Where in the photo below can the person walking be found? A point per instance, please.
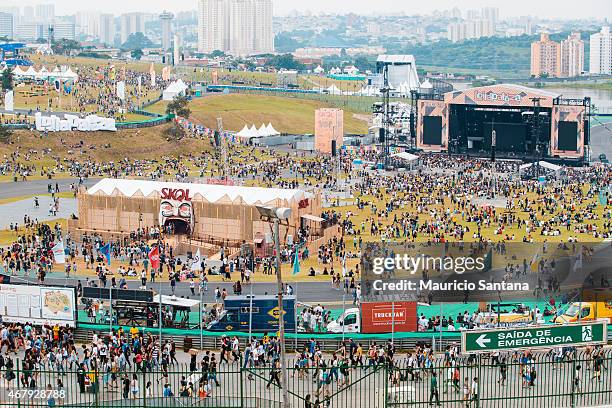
(433, 389)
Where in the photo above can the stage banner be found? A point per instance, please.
(121, 90)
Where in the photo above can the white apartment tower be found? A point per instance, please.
(572, 56)
(212, 25)
(107, 29)
(264, 34)
(131, 23)
(240, 27)
(600, 61)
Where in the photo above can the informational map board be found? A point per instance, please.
(38, 304)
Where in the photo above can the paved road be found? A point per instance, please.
(308, 292)
(14, 212)
(33, 187)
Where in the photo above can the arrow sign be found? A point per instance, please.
(482, 340)
(535, 337)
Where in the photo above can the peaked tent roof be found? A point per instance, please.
(271, 130)
(209, 192)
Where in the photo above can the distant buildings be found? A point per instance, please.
(239, 27)
(44, 13)
(471, 29)
(600, 61)
(63, 30)
(166, 23)
(131, 23)
(6, 25)
(545, 57)
(572, 56)
(565, 59)
(107, 29)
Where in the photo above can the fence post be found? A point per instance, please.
(240, 368)
(144, 388)
(96, 386)
(18, 379)
(573, 382)
(385, 392)
(480, 382)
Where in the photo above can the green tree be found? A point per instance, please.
(285, 61)
(64, 46)
(137, 41)
(7, 79)
(217, 53)
(179, 106)
(5, 134)
(136, 54)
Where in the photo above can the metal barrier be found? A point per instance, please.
(512, 381)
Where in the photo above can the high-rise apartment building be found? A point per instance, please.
(107, 29)
(572, 56)
(212, 25)
(545, 57)
(600, 60)
(490, 13)
(264, 33)
(45, 13)
(166, 23)
(64, 30)
(131, 23)
(6, 25)
(240, 27)
(28, 14)
(88, 23)
(470, 29)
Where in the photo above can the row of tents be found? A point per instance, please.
(253, 132)
(67, 74)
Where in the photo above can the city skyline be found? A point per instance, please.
(589, 9)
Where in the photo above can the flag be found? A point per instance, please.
(344, 265)
(121, 90)
(196, 263)
(112, 75)
(139, 84)
(58, 253)
(296, 262)
(152, 72)
(67, 89)
(8, 101)
(154, 258)
(57, 84)
(105, 250)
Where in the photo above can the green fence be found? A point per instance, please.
(575, 380)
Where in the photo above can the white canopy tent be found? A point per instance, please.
(334, 90)
(271, 130)
(262, 131)
(69, 75)
(42, 74)
(409, 158)
(203, 192)
(544, 165)
(176, 88)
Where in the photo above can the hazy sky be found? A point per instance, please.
(508, 8)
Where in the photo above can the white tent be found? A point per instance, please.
(31, 72)
(334, 90)
(200, 192)
(318, 70)
(244, 132)
(43, 73)
(17, 71)
(272, 131)
(406, 156)
(69, 75)
(176, 88)
(262, 131)
(253, 131)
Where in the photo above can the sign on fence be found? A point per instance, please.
(535, 337)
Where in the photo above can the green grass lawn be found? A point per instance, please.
(288, 115)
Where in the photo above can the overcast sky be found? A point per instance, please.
(566, 9)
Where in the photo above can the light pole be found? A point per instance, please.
(276, 215)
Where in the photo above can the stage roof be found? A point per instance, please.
(209, 192)
(500, 95)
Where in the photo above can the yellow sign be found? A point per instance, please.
(275, 312)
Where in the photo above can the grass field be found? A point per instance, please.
(287, 115)
(146, 143)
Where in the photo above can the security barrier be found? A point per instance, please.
(563, 378)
